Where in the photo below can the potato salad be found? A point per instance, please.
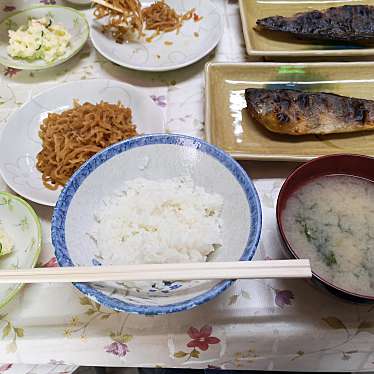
(39, 39)
(6, 243)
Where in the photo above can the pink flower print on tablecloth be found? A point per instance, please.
(214, 367)
(9, 8)
(159, 100)
(201, 338)
(283, 297)
(5, 367)
(117, 349)
(52, 263)
(11, 72)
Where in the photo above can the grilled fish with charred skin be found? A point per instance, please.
(294, 112)
(348, 23)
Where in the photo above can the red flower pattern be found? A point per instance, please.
(11, 72)
(5, 367)
(9, 8)
(52, 263)
(117, 349)
(201, 338)
(283, 297)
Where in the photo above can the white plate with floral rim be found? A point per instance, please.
(74, 21)
(19, 221)
(168, 51)
(20, 142)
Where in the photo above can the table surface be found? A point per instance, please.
(263, 325)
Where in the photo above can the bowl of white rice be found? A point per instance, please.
(156, 199)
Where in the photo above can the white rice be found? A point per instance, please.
(166, 221)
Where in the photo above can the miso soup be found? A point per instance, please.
(330, 220)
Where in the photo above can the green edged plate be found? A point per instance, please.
(20, 222)
(74, 21)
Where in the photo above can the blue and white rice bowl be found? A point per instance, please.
(155, 157)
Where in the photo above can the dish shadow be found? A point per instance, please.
(44, 75)
(153, 78)
(302, 311)
(76, 5)
(268, 170)
(44, 212)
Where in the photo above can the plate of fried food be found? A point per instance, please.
(54, 133)
(155, 36)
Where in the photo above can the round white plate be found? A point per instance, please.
(74, 21)
(169, 51)
(20, 142)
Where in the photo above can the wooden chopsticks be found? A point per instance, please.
(185, 271)
(107, 5)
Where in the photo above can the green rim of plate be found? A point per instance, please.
(18, 288)
(58, 61)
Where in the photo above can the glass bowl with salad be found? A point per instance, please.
(41, 37)
(20, 240)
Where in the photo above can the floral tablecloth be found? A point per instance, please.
(264, 325)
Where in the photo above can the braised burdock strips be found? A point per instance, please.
(70, 138)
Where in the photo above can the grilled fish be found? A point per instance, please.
(347, 23)
(294, 112)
